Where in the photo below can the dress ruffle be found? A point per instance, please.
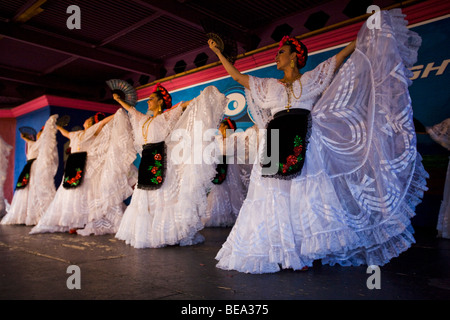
(29, 204)
(96, 206)
(225, 199)
(5, 150)
(441, 134)
(173, 213)
(362, 177)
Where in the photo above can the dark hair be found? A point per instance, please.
(305, 53)
(225, 122)
(160, 96)
(298, 47)
(96, 118)
(164, 95)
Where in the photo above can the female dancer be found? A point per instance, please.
(98, 177)
(351, 200)
(230, 183)
(35, 187)
(169, 200)
(5, 150)
(441, 134)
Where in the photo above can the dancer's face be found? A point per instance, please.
(154, 103)
(284, 57)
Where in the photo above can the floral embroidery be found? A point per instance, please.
(75, 180)
(221, 174)
(293, 161)
(24, 181)
(156, 170)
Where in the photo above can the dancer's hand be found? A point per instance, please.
(213, 46)
(243, 79)
(116, 97)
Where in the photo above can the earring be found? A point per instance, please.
(292, 64)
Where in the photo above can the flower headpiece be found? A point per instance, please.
(301, 50)
(165, 95)
(230, 124)
(99, 116)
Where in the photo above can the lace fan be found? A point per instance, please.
(226, 45)
(28, 132)
(124, 89)
(217, 39)
(63, 121)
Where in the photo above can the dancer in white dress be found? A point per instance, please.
(98, 177)
(169, 201)
(231, 181)
(35, 187)
(5, 150)
(441, 134)
(352, 201)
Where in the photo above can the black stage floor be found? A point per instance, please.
(35, 267)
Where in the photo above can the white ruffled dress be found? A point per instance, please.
(173, 213)
(225, 199)
(5, 150)
(30, 203)
(97, 205)
(362, 176)
(441, 134)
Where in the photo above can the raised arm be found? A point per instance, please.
(344, 53)
(125, 105)
(64, 132)
(229, 67)
(103, 123)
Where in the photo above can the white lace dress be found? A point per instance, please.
(173, 213)
(5, 150)
(362, 176)
(30, 203)
(96, 206)
(225, 199)
(441, 134)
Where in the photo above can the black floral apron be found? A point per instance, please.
(293, 129)
(152, 168)
(74, 170)
(24, 177)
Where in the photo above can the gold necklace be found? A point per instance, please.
(290, 87)
(145, 128)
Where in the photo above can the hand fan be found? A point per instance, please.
(63, 121)
(217, 39)
(28, 133)
(124, 89)
(226, 45)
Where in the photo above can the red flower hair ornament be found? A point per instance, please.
(300, 48)
(165, 95)
(230, 124)
(99, 116)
